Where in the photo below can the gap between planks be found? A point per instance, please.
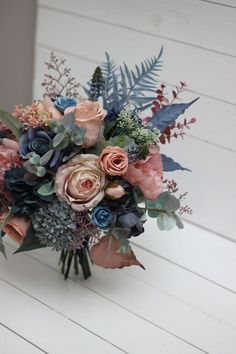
(134, 29)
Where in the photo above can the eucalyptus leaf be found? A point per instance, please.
(40, 171)
(120, 232)
(123, 141)
(35, 160)
(179, 223)
(166, 221)
(153, 213)
(47, 189)
(46, 157)
(58, 139)
(12, 122)
(165, 201)
(30, 242)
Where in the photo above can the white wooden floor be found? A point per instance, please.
(185, 301)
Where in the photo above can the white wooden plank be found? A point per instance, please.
(230, 3)
(205, 72)
(11, 343)
(193, 22)
(181, 284)
(209, 112)
(43, 326)
(108, 320)
(160, 309)
(197, 250)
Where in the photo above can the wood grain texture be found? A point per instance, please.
(171, 20)
(88, 309)
(206, 72)
(12, 343)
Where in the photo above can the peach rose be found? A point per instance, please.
(115, 191)
(89, 115)
(113, 161)
(80, 182)
(48, 106)
(147, 174)
(16, 228)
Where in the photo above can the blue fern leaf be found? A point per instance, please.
(170, 165)
(168, 114)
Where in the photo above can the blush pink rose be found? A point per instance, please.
(147, 174)
(115, 191)
(89, 115)
(80, 182)
(8, 156)
(16, 228)
(113, 160)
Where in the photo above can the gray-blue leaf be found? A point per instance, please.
(168, 114)
(170, 165)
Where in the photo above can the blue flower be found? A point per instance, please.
(101, 217)
(63, 102)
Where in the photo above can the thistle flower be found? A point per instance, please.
(60, 227)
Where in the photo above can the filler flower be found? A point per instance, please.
(89, 115)
(113, 161)
(147, 174)
(80, 182)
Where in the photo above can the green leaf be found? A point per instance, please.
(40, 171)
(47, 189)
(58, 139)
(30, 242)
(179, 223)
(165, 201)
(12, 122)
(34, 160)
(46, 157)
(153, 213)
(123, 141)
(138, 194)
(2, 248)
(166, 221)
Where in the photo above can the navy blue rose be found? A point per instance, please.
(63, 102)
(101, 217)
(38, 140)
(132, 221)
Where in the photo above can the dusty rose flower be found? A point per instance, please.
(16, 228)
(115, 191)
(8, 156)
(147, 174)
(106, 254)
(80, 182)
(113, 161)
(89, 115)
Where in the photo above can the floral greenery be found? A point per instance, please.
(91, 167)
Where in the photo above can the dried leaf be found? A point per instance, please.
(106, 253)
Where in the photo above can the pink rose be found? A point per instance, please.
(147, 174)
(89, 115)
(80, 182)
(16, 228)
(113, 161)
(8, 156)
(115, 191)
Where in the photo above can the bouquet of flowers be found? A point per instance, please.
(79, 174)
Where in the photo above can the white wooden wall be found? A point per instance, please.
(185, 301)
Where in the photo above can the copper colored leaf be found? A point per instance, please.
(106, 253)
